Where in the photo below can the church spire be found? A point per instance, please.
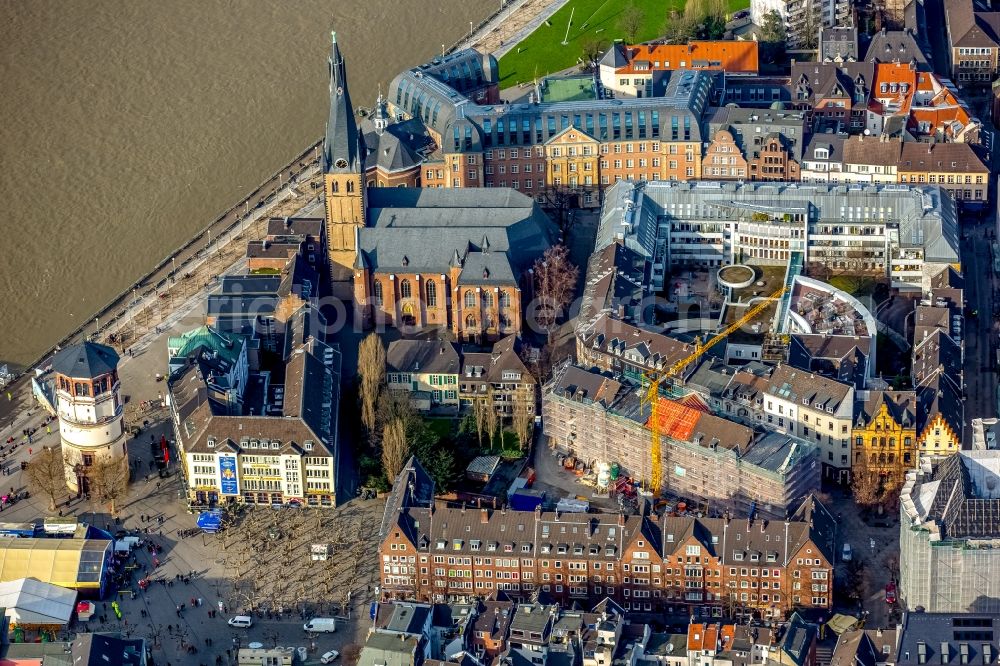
(342, 149)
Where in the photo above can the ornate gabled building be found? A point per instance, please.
(885, 435)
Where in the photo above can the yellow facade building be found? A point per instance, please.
(885, 435)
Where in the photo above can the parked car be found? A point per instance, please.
(241, 622)
(320, 625)
(846, 554)
(890, 593)
(329, 657)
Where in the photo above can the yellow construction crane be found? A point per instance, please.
(653, 390)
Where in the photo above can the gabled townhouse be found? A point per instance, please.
(771, 140)
(436, 375)
(425, 370)
(872, 160)
(973, 42)
(498, 376)
(823, 158)
(723, 158)
(865, 647)
(955, 167)
(432, 552)
(613, 345)
(837, 93)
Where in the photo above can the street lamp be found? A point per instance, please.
(470, 29)
(173, 268)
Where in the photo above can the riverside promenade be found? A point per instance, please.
(194, 267)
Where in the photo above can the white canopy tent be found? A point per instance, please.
(29, 601)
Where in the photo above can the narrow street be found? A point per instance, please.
(979, 330)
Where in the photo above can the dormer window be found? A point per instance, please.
(211, 442)
(307, 445)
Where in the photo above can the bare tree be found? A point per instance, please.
(394, 448)
(392, 406)
(479, 417)
(523, 418)
(492, 419)
(47, 474)
(371, 368)
(109, 479)
(631, 22)
(555, 282)
(865, 486)
(593, 51)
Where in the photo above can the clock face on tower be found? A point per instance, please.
(341, 163)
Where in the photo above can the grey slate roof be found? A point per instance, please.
(897, 46)
(342, 141)
(749, 125)
(85, 360)
(496, 232)
(398, 147)
(834, 144)
(924, 635)
(838, 42)
(426, 356)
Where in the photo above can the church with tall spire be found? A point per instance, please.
(409, 247)
(343, 176)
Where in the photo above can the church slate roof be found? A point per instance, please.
(424, 231)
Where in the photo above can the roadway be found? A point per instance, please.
(981, 287)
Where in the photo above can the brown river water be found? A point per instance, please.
(128, 125)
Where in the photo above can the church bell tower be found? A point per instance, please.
(343, 177)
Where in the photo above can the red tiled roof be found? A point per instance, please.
(731, 56)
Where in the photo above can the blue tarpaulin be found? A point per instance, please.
(210, 521)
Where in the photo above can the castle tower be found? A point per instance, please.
(91, 413)
(343, 169)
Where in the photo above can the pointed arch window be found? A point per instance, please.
(378, 293)
(488, 299)
(432, 297)
(470, 322)
(404, 289)
(350, 187)
(470, 299)
(505, 299)
(335, 187)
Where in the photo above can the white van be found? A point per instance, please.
(241, 621)
(321, 625)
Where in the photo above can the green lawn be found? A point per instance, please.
(441, 427)
(542, 52)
